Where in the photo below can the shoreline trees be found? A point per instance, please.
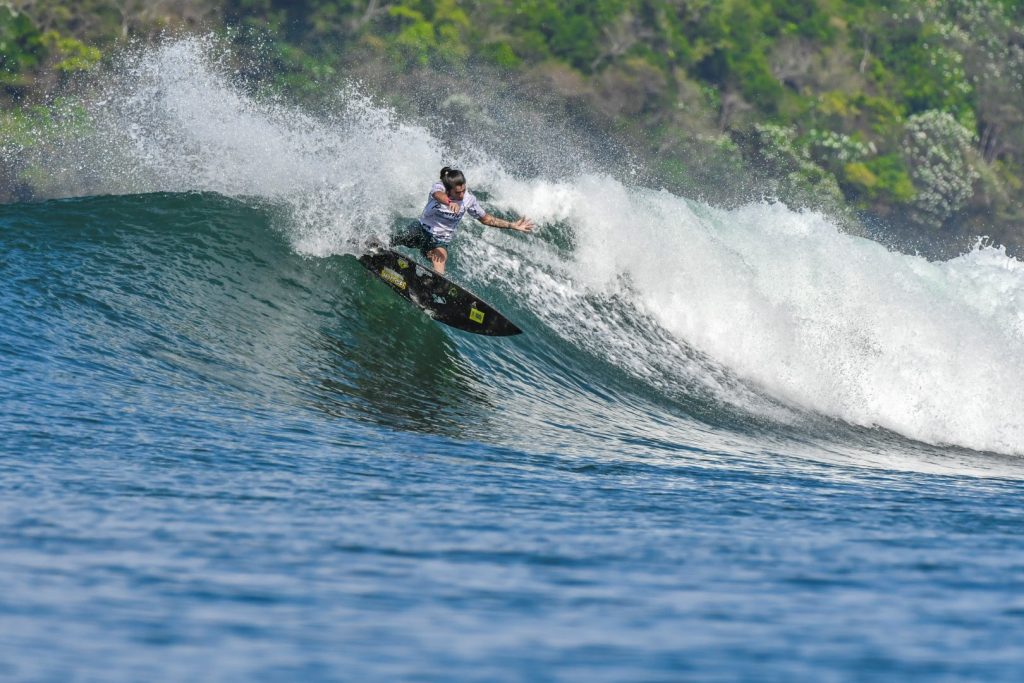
(911, 113)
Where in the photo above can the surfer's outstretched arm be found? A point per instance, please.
(524, 224)
(442, 198)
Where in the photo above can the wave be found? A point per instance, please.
(734, 318)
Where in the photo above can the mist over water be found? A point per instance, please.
(772, 312)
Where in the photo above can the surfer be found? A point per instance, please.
(447, 203)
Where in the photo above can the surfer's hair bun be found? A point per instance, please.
(452, 177)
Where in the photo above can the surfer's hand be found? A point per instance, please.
(454, 207)
(523, 225)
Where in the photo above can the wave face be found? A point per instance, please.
(761, 310)
(189, 346)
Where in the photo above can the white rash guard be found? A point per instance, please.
(442, 222)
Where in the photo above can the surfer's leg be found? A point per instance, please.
(438, 257)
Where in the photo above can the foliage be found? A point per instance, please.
(894, 185)
(938, 151)
(70, 55)
(910, 108)
(21, 49)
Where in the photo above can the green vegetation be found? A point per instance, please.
(912, 111)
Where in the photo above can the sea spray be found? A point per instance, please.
(176, 117)
(818, 319)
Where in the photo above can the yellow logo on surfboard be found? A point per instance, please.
(392, 278)
(476, 315)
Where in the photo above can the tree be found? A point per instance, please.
(938, 150)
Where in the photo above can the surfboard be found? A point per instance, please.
(439, 297)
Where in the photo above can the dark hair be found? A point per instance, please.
(452, 177)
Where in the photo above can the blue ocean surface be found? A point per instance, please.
(741, 445)
(226, 461)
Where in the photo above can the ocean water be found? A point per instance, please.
(731, 445)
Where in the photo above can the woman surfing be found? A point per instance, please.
(447, 203)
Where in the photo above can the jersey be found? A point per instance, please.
(440, 221)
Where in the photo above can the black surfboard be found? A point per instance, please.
(439, 297)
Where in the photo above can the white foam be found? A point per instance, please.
(820, 319)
